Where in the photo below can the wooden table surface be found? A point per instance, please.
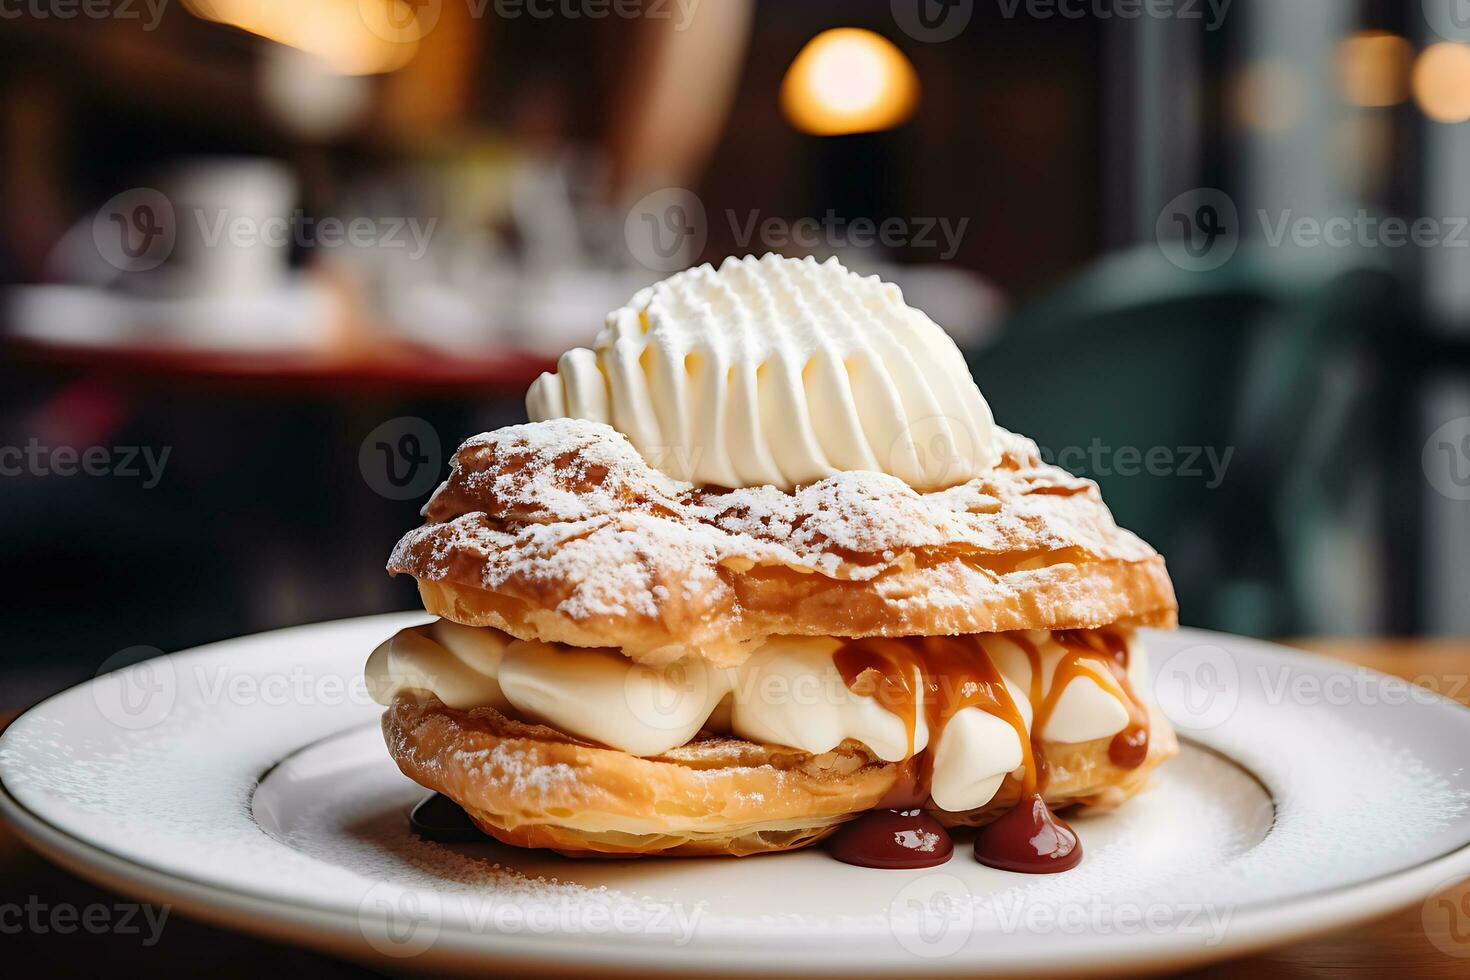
(1429, 940)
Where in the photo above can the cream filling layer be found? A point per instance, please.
(788, 693)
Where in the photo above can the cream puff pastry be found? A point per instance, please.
(761, 566)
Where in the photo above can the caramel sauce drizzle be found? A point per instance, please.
(939, 675)
(942, 675)
(1129, 747)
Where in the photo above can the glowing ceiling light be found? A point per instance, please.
(1373, 68)
(849, 81)
(1442, 82)
(355, 37)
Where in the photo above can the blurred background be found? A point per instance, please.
(267, 262)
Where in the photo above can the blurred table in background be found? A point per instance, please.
(271, 503)
(1394, 946)
(387, 369)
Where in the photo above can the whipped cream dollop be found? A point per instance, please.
(778, 371)
(788, 693)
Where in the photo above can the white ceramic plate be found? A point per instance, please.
(245, 782)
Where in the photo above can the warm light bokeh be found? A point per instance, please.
(849, 81)
(1373, 68)
(355, 37)
(1442, 82)
(1269, 96)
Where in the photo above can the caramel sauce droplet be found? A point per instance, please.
(941, 676)
(1030, 839)
(893, 839)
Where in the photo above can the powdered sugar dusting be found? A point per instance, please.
(571, 507)
(509, 768)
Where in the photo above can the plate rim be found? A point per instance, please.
(336, 932)
(1256, 927)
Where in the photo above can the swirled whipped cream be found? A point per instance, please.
(788, 693)
(778, 371)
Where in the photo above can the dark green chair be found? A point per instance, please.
(1136, 357)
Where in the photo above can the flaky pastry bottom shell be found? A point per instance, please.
(533, 786)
